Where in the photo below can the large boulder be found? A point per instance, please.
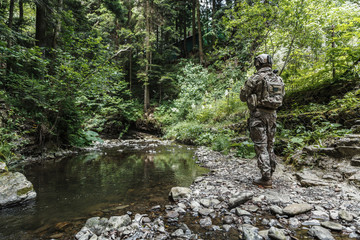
(178, 193)
(15, 189)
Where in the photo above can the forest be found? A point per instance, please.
(106, 105)
(74, 70)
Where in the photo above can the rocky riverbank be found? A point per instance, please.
(225, 204)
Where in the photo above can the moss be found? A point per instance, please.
(24, 190)
(4, 174)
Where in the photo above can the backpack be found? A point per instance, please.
(272, 93)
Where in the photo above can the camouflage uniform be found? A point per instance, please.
(262, 122)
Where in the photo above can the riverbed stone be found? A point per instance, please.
(297, 208)
(205, 222)
(355, 161)
(312, 222)
(178, 193)
(332, 225)
(294, 223)
(276, 234)
(334, 214)
(205, 202)
(321, 215)
(321, 233)
(178, 233)
(15, 189)
(345, 215)
(119, 221)
(240, 199)
(309, 179)
(355, 179)
(274, 209)
(240, 212)
(195, 206)
(250, 232)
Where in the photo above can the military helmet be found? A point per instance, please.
(263, 60)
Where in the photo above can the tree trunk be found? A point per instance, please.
(184, 33)
(201, 54)
(10, 22)
(332, 59)
(147, 49)
(193, 23)
(21, 12)
(58, 24)
(40, 34)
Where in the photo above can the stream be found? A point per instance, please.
(117, 177)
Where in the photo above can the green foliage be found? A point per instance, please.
(245, 149)
(300, 136)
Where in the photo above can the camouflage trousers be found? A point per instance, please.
(262, 125)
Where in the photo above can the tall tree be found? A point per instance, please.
(40, 31)
(201, 53)
(147, 62)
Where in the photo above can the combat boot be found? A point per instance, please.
(263, 182)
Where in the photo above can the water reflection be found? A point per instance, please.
(77, 186)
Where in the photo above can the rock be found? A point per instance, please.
(61, 226)
(312, 222)
(251, 208)
(320, 233)
(205, 202)
(264, 234)
(321, 215)
(178, 193)
(308, 179)
(346, 215)
(226, 227)
(355, 161)
(172, 214)
(294, 223)
(241, 212)
(195, 206)
(205, 211)
(348, 151)
(277, 234)
(332, 225)
(178, 233)
(205, 222)
(119, 221)
(297, 208)
(355, 179)
(334, 215)
(316, 151)
(274, 209)
(250, 232)
(3, 167)
(228, 219)
(15, 189)
(240, 199)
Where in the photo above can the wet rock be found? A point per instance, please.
(320, 233)
(354, 235)
(241, 212)
(345, 215)
(355, 161)
(264, 234)
(61, 226)
(96, 224)
(277, 234)
(15, 189)
(297, 208)
(240, 199)
(274, 209)
(205, 222)
(84, 234)
(332, 225)
(250, 232)
(178, 193)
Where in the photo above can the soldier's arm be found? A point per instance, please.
(248, 89)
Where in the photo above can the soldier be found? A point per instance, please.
(263, 92)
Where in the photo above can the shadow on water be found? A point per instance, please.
(99, 182)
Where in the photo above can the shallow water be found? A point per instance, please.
(134, 177)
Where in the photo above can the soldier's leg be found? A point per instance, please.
(259, 137)
(271, 131)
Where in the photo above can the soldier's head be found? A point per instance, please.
(263, 60)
